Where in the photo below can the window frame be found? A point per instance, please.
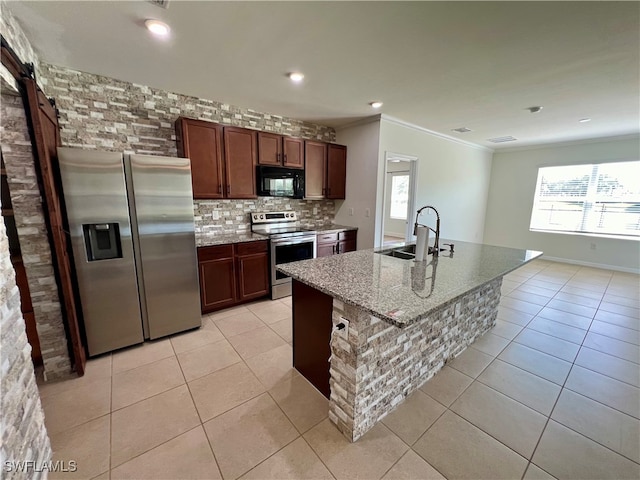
(588, 201)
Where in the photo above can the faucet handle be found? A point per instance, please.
(450, 245)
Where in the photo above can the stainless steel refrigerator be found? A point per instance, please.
(132, 232)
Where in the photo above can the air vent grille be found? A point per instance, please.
(160, 3)
(508, 138)
(462, 130)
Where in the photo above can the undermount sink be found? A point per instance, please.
(408, 252)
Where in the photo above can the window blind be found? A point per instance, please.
(595, 198)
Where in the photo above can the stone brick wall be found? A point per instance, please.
(379, 364)
(234, 214)
(17, 40)
(32, 232)
(103, 113)
(24, 437)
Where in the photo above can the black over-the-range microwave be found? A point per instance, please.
(280, 182)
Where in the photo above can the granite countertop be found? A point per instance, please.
(404, 291)
(204, 240)
(333, 228)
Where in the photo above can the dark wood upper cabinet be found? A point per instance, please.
(278, 150)
(240, 149)
(315, 169)
(269, 149)
(336, 171)
(293, 152)
(325, 170)
(201, 142)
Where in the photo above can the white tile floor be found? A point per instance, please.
(551, 391)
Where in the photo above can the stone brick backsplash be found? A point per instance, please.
(33, 237)
(24, 436)
(103, 113)
(234, 215)
(379, 364)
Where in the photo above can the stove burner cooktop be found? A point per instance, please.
(279, 224)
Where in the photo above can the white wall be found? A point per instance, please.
(362, 143)
(513, 184)
(453, 177)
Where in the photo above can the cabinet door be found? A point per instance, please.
(217, 277)
(269, 149)
(201, 142)
(326, 249)
(315, 169)
(293, 152)
(253, 276)
(336, 171)
(240, 147)
(347, 246)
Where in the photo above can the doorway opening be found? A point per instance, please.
(398, 198)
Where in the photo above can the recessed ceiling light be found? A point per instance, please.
(376, 104)
(296, 77)
(584, 120)
(157, 27)
(462, 130)
(535, 109)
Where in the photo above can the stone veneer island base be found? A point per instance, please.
(406, 320)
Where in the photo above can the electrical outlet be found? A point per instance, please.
(342, 332)
(367, 212)
(593, 246)
(351, 212)
(215, 215)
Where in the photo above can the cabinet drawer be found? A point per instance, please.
(215, 252)
(327, 237)
(249, 248)
(348, 235)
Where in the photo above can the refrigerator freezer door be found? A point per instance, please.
(96, 201)
(164, 215)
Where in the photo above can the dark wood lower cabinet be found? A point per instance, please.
(334, 243)
(233, 274)
(217, 277)
(311, 334)
(252, 261)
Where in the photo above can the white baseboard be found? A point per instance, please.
(590, 264)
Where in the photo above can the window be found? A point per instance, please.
(399, 196)
(600, 199)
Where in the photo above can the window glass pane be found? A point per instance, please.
(399, 196)
(599, 198)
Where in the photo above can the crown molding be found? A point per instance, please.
(586, 141)
(402, 123)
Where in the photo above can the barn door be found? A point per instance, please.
(46, 138)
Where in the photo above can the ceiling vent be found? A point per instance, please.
(160, 3)
(462, 130)
(508, 138)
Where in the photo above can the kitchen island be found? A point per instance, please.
(369, 328)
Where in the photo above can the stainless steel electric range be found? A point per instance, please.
(289, 243)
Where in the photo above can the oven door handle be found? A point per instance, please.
(297, 241)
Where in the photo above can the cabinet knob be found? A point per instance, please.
(219, 188)
(284, 159)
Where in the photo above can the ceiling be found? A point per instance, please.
(438, 65)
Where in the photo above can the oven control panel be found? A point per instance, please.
(273, 217)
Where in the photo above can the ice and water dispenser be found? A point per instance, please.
(102, 241)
